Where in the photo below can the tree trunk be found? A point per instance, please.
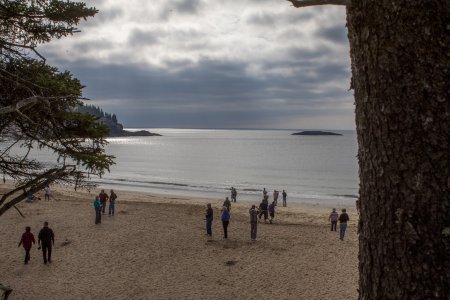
(400, 64)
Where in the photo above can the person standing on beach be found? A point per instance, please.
(46, 239)
(227, 204)
(233, 194)
(263, 209)
(103, 199)
(275, 196)
(47, 193)
(98, 210)
(343, 219)
(284, 198)
(333, 219)
(264, 193)
(209, 214)
(27, 241)
(272, 211)
(253, 212)
(112, 202)
(225, 221)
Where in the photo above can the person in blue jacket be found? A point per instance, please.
(98, 210)
(225, 221)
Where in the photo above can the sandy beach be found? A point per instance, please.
(156, 247)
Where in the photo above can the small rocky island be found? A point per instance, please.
(315, 132)
(110, 120)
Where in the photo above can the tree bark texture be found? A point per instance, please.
(400, 54)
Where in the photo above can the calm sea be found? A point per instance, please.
(206, 163)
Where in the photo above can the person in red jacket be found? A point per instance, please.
(27, 241)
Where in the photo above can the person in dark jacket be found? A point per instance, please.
(225, 221)
(27, 241)
(112, 202)
(343, 219)
(227, 204)
(46, 240)
(263, 206)
(253, 212)
(209, 214)
(103, 199)
(272, 211)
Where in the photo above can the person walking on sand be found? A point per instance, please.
(103, 199)
(225, 221)
(46, 240)
(272, 211)
(209, 214)
(112, 202)
(284, 198)
(253, 212)
(333, 218)
(227, 204)
(343, 219)
(98, 210)
(27, 241)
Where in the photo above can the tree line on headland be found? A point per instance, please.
(111, 121)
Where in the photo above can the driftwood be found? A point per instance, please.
(5, 291)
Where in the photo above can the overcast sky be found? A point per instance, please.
(213, 64)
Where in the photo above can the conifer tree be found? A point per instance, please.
(37, 103)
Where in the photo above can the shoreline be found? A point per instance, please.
(155, 248)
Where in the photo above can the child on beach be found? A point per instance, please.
(333, 218)
(27, 241)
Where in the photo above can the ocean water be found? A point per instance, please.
(206, 163)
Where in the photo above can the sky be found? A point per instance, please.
(213, 64)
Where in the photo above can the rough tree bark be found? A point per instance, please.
(401, 79)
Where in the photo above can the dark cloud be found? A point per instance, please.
(184, 7)
(143, 37)
(208, 94)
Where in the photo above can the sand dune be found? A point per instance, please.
(155, 247)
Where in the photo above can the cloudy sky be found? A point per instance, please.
(213, 64)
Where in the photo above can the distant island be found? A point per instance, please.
(110, 120)
(312, 132)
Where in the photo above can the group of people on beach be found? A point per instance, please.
(265, 209)
(46, 239)
(100, 205)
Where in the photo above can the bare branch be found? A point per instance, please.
(305, 3)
